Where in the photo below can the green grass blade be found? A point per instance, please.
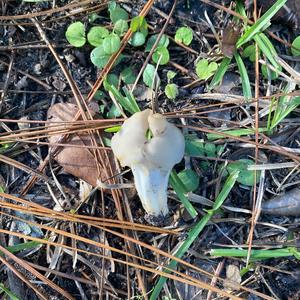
(222, 69)
(244, 75)
(179, 189)
(283, 109)
(8, 292)
(255, 254)
(228, 185)
(195, 231)
(22, 246)
(193, 234)
(234, 132)
(260, 23)
(267, 48)
(132, 102)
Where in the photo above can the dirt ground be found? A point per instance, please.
(83, 236)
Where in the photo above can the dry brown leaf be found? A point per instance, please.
(79, 162)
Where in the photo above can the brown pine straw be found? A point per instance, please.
(48, 12)
(67, 217)
(33, 272)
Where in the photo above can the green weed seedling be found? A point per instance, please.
(171, 89)
(184, 35)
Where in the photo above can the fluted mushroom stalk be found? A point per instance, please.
(151, 161)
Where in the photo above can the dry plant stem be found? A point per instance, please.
(43, 84)
(23, 278)
(35, 273)
(67, 217)
(97, 85)
(154, 46)
(254, 211)
(5, 86)
(47, 12)
(213, 280)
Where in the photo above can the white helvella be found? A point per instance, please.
(151, 160)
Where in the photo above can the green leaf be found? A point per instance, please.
(267, 72)
(149, 75)
(249, 52)
(180, 191)
(128, 75)
(204, 70)
(267, 48)
(113, 112)
(171, 91)
(194, 147)
(246, 177)
(296, 44)
(8, 292)
(261, 23)
(117, 14)
(190, 179)
(121, 27)
(234, 132)
(222, 69)
(75, 34)
(111, 44)
(164, 41)
(244, 75)
(184, 35)
(137, 39)
(98, 57)
(137, 23)
(171, 75)
(111, 79)
(256, 254)
(96, 35)
(93, 17)
(161, 55)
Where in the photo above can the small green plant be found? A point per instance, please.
(111, 44)
(268, 73)
(190, 179)
(75, 34)
(161, 55)
(245, 177)
(120, 27)
(96, 35)
(117, 13)
(139, 27)
(163, 42)
(296, 44)
(171, 89)
(149, 75)
(184, 35)
(249, 52)
(204, 69)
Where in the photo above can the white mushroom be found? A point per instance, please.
(151, 161)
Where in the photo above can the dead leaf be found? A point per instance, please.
(287, 204)
(231, 33)
(233, 277)
(79, 162)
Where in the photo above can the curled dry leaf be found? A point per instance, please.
(79, 162)
(233, 277)
(287, 204)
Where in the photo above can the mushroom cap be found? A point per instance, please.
(166, 148)
(127, 144)
(163, 151)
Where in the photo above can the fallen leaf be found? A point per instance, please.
(287, 204)
(79, 162)
(233, 277)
